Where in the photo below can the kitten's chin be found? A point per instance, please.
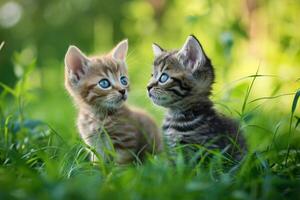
(160, 101)
(114, 105)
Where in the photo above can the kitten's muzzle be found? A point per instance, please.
(149, 92)
(123, 93)
(153, 94)
(149, 87)
(124, 97)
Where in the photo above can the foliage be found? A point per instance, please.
(256, 57)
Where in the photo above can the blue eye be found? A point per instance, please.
(163, 78)
(104, 83)
(124, 80)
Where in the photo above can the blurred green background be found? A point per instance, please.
(239, 37)
(254, 46)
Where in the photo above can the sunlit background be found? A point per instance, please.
(241, 37)
(254, 46)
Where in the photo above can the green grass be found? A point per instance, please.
(39, 162)
(41, 154)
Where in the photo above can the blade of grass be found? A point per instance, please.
(245, 102)
(2, 45)
(231, 84)
(274, 137)
(248, 91)
(298, 121)
(6, 137)
(255, 76)
(54, 132)
(8, 89)
(294, 106)
(295, 101)
(271, 97)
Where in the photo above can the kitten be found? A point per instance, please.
(182, 82)
(99, 87)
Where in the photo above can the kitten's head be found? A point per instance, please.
(182, 77)
(100, 82)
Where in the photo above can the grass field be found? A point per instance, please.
(40, 162)
(254, 47)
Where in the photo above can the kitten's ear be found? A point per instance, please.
(191, 55)
(157, 50)
(76, 63)
(120, 51)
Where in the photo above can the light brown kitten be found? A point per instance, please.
(99, 87)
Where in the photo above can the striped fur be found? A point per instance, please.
(103, 117)
(191, 118)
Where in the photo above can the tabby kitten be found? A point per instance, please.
(99, 87)
(182, 82)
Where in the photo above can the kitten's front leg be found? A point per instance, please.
(101, 145)
(123, 156)
(171, 139)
